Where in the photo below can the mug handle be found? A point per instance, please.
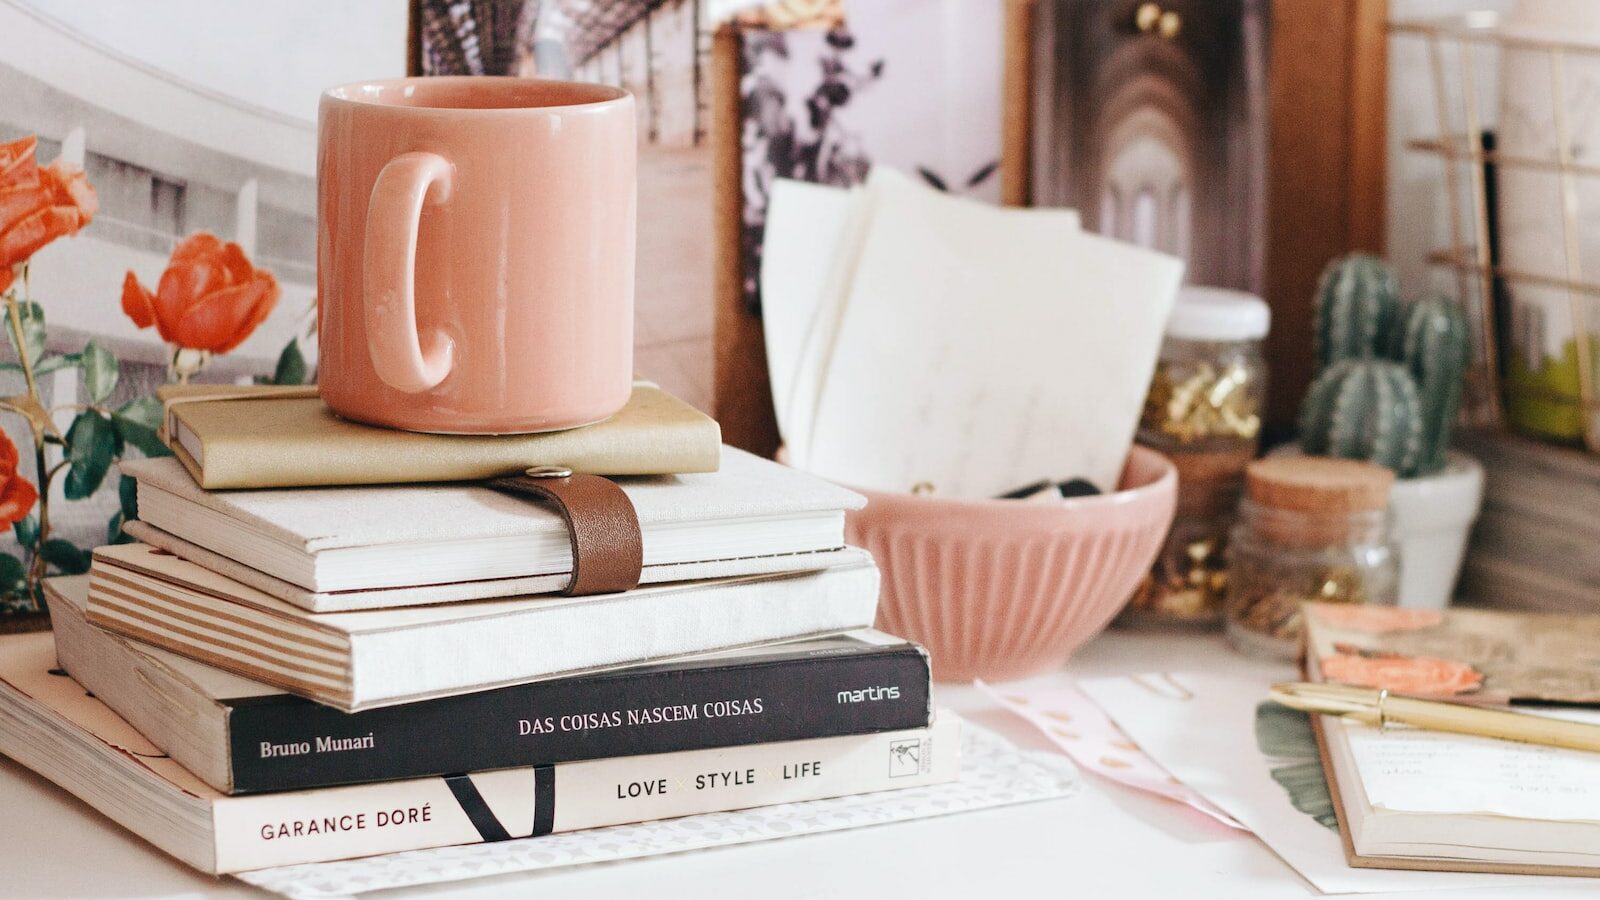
(394, 213)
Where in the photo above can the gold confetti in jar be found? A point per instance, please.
(1203, 411)
(1310, 528)
(1189, 578)
(1210, 379)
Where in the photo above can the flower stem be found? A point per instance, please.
(37, 566)
(14, 315)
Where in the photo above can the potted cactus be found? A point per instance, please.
(1388, 389)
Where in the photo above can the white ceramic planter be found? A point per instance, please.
(1433, 517)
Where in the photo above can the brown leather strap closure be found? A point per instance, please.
(607, 548)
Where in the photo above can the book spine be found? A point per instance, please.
(345, 822)
(285, 743)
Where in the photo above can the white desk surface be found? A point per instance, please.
(1107, 842)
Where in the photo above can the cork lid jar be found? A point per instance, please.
(1310, 528)
(1308, 501)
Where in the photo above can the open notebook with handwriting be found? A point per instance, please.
(1409, 798)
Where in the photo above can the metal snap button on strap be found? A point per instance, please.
(548, 472)
(607, 548)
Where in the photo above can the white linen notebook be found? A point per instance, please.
(372, 658)
(331, 540)
(479, 589)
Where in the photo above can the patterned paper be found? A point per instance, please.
(1072, 722)
(994, 773)
(1476, 655)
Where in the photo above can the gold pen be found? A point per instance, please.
(1379, 707)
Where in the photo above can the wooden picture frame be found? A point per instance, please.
(1327, 83)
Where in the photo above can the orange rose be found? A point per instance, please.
(17, 496)
(37, 205)
(1427, 676)
(1375, 619)
(209, 298)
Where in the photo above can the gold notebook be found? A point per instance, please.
(270, 437)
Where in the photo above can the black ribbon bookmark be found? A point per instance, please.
(544, 800)
(483, 818)
(478, 812)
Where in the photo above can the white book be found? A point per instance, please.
(482, 589)
(53, 726)
(396, 539)
(371, 658)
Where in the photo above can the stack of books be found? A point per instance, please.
(275, 673)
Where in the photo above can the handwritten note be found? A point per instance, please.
(1409, 770)
(982, 348)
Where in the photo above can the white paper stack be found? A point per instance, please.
(915, 337)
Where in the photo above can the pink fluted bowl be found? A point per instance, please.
(1001, 589)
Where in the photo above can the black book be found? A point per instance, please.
(241, 736)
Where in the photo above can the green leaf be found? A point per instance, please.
(100, 370)
(291, 365)
(66, 557)
(32, 330)
(145, 410)
(51, 363)
(92, 441)
(114, 533)
(128, 493)
(27, 531)
(13, 574)
(139, 435)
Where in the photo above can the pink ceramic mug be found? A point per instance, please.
(475, 250)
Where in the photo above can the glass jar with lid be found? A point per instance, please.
(1309, 529)
(1203, 411)
(1210, 379)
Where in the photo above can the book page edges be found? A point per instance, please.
(148, 561)
(155, 699)
(142, 559)
(402, 665)
(210, 682)
(483, 589)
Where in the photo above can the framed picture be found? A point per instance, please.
(912, 84)
(1153, 125)
(184, 118)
